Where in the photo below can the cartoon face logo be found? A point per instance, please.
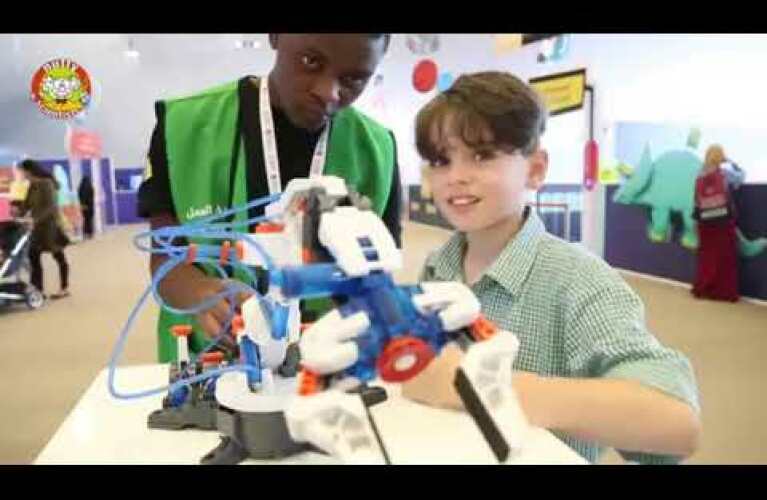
(61, 88)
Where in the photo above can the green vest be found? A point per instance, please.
(200, 137)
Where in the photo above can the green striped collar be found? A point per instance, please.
(510, 269)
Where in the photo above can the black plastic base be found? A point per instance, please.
(201, 415)
(265, 435)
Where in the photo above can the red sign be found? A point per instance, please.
(84, 144)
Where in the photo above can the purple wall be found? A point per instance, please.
(627, 245)
(127, 199)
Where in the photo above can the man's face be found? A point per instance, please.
(316, 75)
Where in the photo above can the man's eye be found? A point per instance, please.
(353, 83)
(310, 62)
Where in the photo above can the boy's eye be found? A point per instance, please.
(310, 62)
(486, 155)
(438, 162)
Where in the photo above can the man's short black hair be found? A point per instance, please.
(386, 37)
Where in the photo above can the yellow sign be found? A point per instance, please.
(562, 92)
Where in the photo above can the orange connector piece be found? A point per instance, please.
(191, 253)
(309, 382)
(239, 250)
(482, 329)
(214, 358)
(304, 327)
(181, 330)
(269, 227)
(307, 256)
(238, 324)
(226, 247)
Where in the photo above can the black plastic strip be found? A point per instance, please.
(481, 417)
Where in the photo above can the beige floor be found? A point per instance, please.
(50, 356)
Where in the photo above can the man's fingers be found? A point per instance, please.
(209, 324)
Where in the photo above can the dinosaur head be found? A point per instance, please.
(636, 182)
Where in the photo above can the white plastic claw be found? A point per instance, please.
(457, 305)
(488, 366)
(327, 346)
(337, 423)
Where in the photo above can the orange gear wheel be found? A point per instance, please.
(482, 329)
(403, 358)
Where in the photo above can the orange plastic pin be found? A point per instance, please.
(226, 247)
(191, 253)
(181, 330)
(239, 250)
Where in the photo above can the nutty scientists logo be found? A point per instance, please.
(61, 89)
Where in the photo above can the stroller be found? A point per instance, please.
(14, 246)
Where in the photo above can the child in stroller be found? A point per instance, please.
(14, 245)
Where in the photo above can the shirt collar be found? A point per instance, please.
(510, 268)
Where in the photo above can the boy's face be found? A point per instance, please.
(480, 189)
(315, 75)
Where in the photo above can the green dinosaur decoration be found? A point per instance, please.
(667, 185)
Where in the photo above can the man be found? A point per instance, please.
(212, 150)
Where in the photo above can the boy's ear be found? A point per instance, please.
(539, 167)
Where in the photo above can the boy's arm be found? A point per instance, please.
(624, 414)
(627, 391)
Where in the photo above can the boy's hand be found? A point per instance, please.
(434, 385)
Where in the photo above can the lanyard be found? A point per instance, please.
(269, 142)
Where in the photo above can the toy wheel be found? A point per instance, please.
(35, 299)
(403, 358)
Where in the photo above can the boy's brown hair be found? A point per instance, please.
(489, 109)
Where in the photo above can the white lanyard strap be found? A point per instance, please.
(269, 142)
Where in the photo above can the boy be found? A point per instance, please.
(587, 369)
(247, 139)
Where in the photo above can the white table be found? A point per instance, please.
(104, 430)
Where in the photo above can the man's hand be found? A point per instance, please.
(186, 286)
